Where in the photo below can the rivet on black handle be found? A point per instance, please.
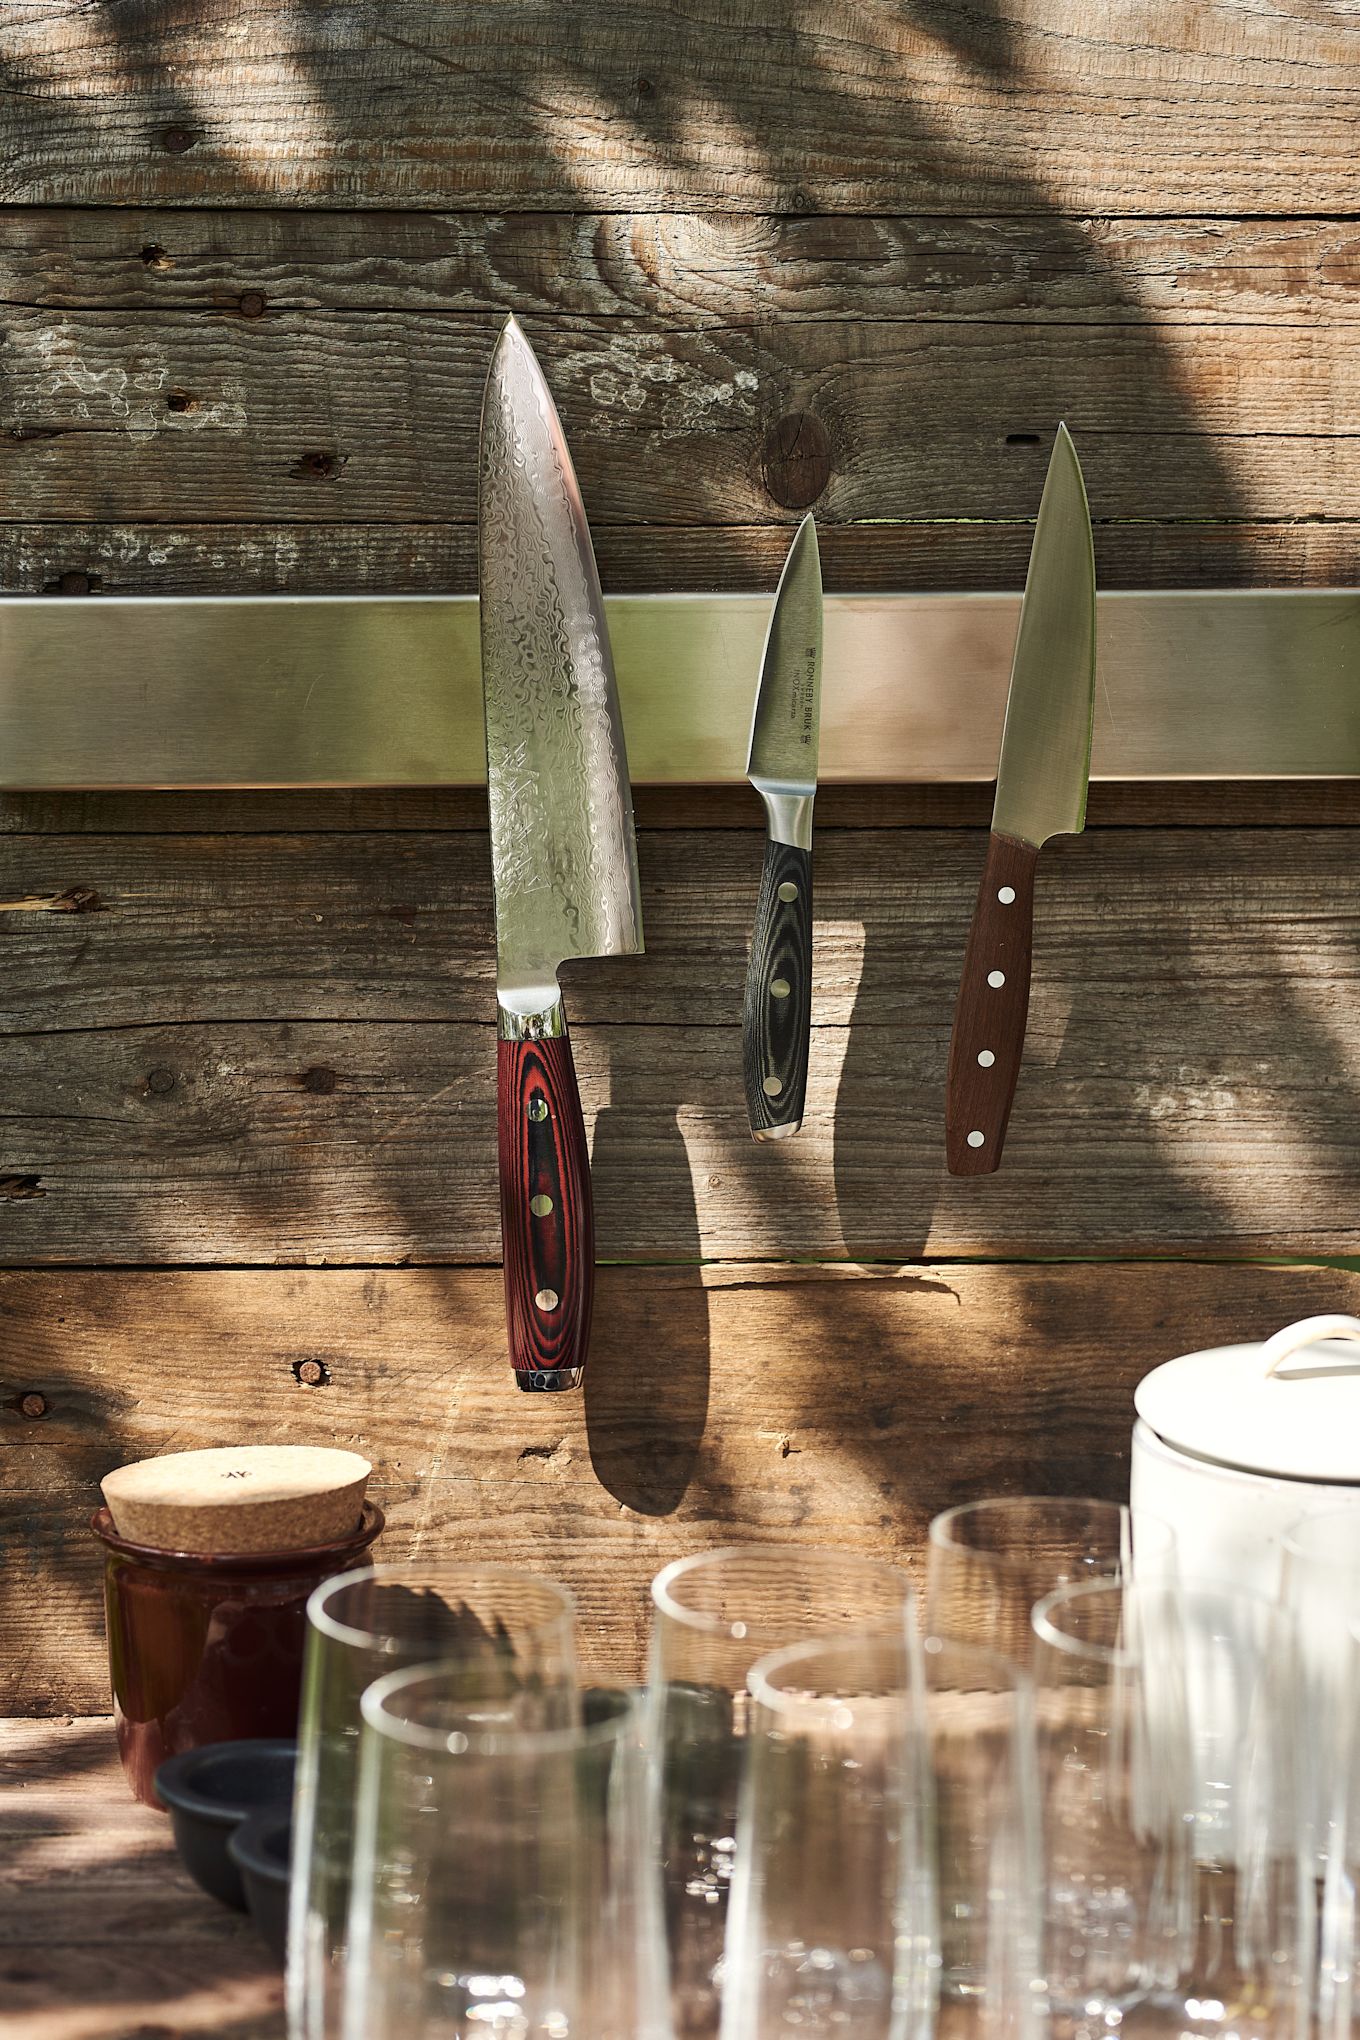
(547, 1221)
(993, 1007)
(777, 1015)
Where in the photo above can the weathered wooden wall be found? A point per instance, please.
(778, 251)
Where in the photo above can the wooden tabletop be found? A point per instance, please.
(105, 1937)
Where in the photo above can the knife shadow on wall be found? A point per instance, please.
(646, 1385)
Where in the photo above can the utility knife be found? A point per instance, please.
(1041, 784)
(781, 765)
(563, 854)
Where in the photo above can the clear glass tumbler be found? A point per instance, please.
(1115, 1795)
(1320, 1583)
(504, 1887)
(714, 1615)
(990, 1562)
(828, 1931)
(979, 1711)
(508, 1636)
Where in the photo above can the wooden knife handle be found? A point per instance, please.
(777, 1016)
(547, 1218)
(993, 1007)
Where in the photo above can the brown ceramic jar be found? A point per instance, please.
(207, 1647)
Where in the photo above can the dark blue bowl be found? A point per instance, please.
(260, 1848)
(210, 1791)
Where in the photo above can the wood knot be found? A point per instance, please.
(319, 1080)
(155, 257)
(317, 467)
(176, 138)
(180, 401)
(645, 88)
(75, 582)
(251, 304)
(78, 899)
(21, 1186)
(312, 1373)
(796, 460)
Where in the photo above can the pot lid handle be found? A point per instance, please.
(1307, 1332)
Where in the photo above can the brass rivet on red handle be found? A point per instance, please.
(993, 1007)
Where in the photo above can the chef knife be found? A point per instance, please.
(1041, 786)
(564, 859)
(781, 765)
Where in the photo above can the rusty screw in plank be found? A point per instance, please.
(312, 1373)
(160, 1081)
(796, 460)
(251, 304)
(34, 1403)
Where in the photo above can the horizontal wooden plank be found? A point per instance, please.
(339, 417)
(59, 558)
(1311, 804)
(754, 106)
(262, 1051)
(819, 1405)
(682, 267)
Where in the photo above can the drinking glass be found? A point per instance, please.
(990, 1562)
(1339, 1967)
(1115, 1790)
(1320, 1583)
(828, 1928)
(511, 1637)
(503, 1884)
(980, 1735)
(714, 1615)
(1247, 1967)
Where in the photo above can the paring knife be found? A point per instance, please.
(563, 854)
(1041, 786)
(782, 766)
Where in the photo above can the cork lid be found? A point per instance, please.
(239, 1498)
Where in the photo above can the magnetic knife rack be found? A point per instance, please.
(297, 691)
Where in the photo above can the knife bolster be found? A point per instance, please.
(549, 1024)
(788, 813)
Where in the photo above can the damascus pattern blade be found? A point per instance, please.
(564, 856)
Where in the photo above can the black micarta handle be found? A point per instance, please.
(993, 1008)
(547, 1221)
(777, 1017)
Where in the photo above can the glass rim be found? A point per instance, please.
(1292, 1541)
(939, 1533)
(665, 1603)
(1175, 1592)
(826, 1705)
(625, 1715)
(384, 1642)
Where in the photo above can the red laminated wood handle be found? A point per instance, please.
(547, 1221)
(993, 1007)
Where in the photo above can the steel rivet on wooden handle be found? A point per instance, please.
(993, 1007)
(777, 1016)
(547, 1221)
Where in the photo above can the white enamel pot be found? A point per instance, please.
(1235, 1444)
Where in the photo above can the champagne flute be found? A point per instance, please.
(503, 1886)
(511, 1635)
(714, 1615)
(828, 1932)
(990, 1562)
